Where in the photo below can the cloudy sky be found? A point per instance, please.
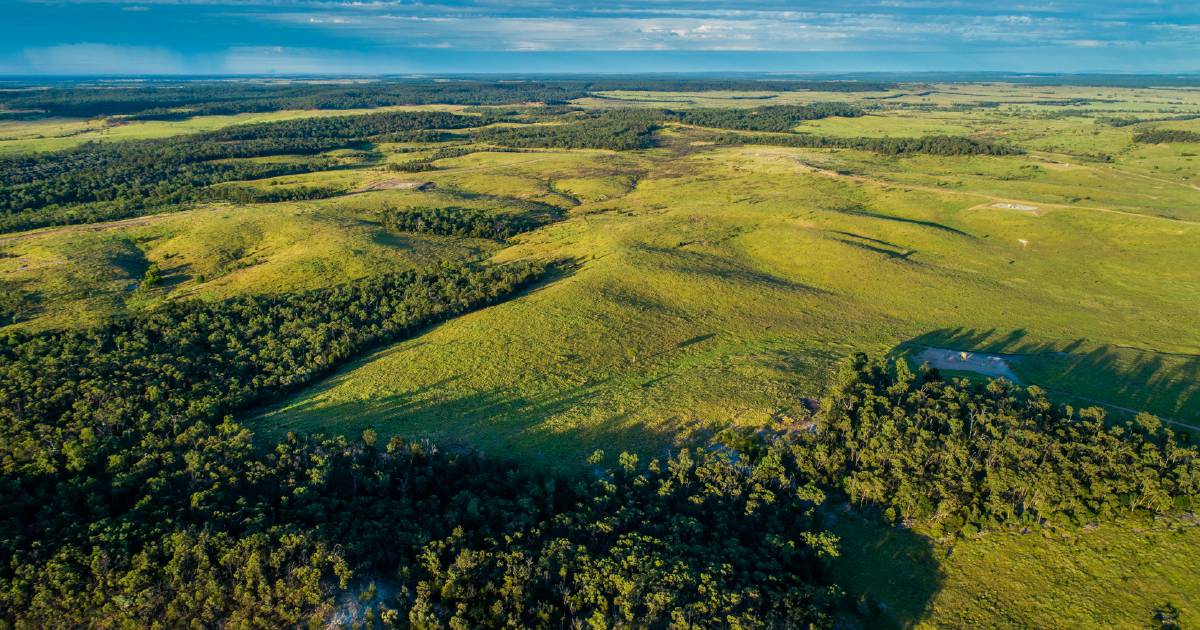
(444, 36)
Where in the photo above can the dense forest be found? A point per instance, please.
(963, 457)
(462, 222)
(130, 500)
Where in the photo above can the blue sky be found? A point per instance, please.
(451, 36)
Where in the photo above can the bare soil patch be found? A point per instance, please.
(993, 365)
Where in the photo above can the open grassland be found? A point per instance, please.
(699, 287)
(723, 287)
(727, 283)
(1113, 575)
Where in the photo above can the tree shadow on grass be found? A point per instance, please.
(1121, 379)
(891, 573)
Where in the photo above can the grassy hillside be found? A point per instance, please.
(699, 287)
(728, 282)
(78, 275)
(1112, 576)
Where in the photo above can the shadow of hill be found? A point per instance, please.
(499, 422)
(722, 269)
(860, 211)
(1124, 380)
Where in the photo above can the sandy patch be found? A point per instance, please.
(1015, 206)
(978, 362)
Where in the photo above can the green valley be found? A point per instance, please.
(233, 322)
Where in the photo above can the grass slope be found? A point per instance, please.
(703, 287)
(727, 283)
(79, 275)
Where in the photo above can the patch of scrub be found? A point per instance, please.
(960, 360)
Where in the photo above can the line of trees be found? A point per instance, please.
(1117, 121)
(931, 145)
(626, 129)
(427, 163)
(274, 194)
(103, 182)
(189, 361)
(618, 130)
(777, 118)
(352, 127)
(1156, 136)
(462, 222)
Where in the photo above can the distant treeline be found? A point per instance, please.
(118, 179)
(352, 127)
(778, 118)
(1114, 121)
(932, 145)
(168, 100)
(179, 100)
(1083, 79)
(618, 130)
(463, 222)
(736, 85)
(1155, 136)
(625, 129)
